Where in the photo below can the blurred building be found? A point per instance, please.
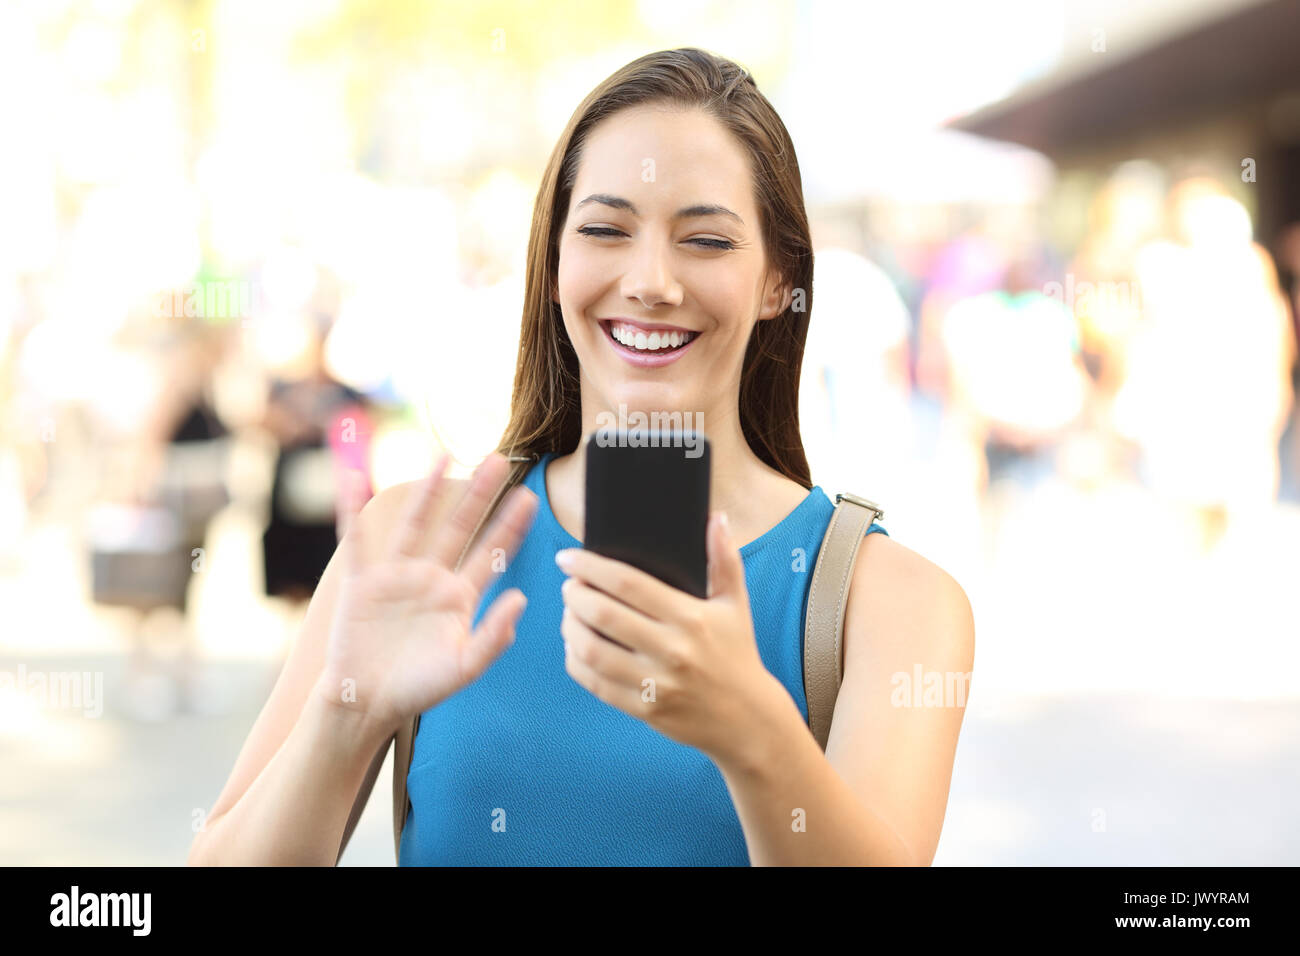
(1219, 96)
(1177, 144)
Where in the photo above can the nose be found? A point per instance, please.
(649, 277)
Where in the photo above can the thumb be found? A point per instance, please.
(726, 569)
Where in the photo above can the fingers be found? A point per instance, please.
(349, 528)
(501, 539)
(726, 567)
(456, 530)
(495, 632)
(415, 517)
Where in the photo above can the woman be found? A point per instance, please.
(177, 474)
(307, 414)
(546, 753)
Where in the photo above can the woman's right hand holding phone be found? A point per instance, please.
(401, 639)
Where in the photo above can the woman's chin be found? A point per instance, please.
(649, 397)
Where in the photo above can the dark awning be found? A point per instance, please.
(1246, 55)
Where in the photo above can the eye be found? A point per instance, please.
(714, 243)
(703, 242)
(598, 231)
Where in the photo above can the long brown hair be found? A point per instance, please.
(545, 408)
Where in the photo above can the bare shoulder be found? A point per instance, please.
(901, 600)
(909, 644)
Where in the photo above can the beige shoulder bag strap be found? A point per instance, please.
(823, 642)
(404, 741)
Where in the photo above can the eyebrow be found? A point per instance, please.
(689, 212)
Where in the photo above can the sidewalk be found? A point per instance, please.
(113, 790)
(1169, 782)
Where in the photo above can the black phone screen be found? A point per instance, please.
(647, 503)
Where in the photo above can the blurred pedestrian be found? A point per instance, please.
(148, 551)
(322, 427)
(1016, 374)
(1207, 388)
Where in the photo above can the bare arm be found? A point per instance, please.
(390, 627)
(879, 793)
(297, 808)
(303, 766)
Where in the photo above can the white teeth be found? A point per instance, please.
(636, 339)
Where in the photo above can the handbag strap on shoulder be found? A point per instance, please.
(823, 647)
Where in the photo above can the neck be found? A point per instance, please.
(741, 484)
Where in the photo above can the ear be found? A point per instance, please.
(776, 299)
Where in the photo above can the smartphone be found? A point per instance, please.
(647, 504)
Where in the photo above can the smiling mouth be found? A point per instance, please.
(659, 342)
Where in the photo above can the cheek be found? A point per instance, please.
(727, 295)
(577, 282)
(577, 277)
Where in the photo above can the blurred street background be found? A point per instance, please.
(246, 246)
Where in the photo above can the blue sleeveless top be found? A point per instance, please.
(526, 767)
